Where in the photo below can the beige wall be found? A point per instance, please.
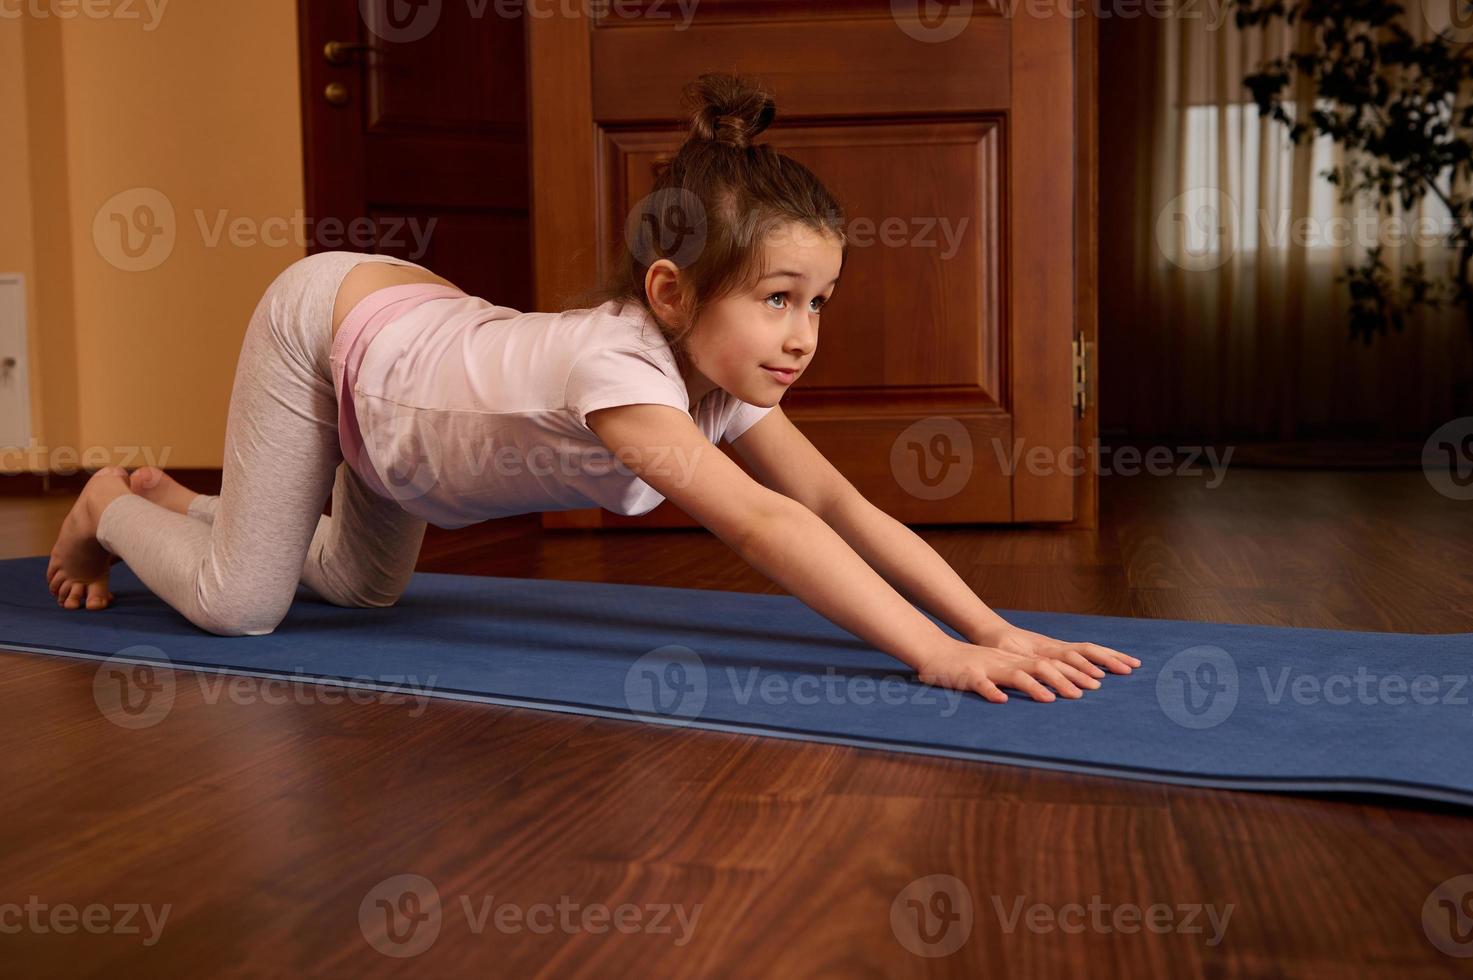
(194, 105)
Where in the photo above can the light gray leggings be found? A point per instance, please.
(232, 565)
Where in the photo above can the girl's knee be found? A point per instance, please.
(240, 619)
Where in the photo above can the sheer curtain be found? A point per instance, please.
(1220, 242)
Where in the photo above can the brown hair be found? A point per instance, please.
(713, 204)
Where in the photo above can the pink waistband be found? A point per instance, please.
(363, 322)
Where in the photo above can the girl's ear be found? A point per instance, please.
(665, 291)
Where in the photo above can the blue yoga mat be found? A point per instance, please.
(1224, 705)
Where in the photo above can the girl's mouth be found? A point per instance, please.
(786, 377)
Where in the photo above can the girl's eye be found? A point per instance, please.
(817, 299)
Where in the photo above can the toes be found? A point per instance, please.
(98, 595)
(74, 595)
(144, 478)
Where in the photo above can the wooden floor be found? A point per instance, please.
(268, 828)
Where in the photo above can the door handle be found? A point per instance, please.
(341, 52)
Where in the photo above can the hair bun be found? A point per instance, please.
(727, 109)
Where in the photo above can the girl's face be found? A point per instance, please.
(772, 324)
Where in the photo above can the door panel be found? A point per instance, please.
(429, 140)
(947, 349)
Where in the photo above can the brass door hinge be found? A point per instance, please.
(1083, 352)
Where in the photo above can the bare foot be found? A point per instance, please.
(156, 486)
(77, 573)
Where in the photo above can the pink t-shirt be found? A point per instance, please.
(464, 411)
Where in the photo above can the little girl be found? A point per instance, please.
(413, 402)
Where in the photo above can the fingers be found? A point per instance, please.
(984, 686)
(1028, 684)
(1120, 663)
(1055, 676)
(1079, 676)
(1077, 660)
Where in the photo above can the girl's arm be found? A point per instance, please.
(784, 459)
(924, 577)
(792, 546)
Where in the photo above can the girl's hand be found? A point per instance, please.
(1031, 644)
(982, 668)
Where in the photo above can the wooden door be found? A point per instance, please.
(950, 133)
(415, 138)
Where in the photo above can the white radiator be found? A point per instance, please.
(15, 395)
